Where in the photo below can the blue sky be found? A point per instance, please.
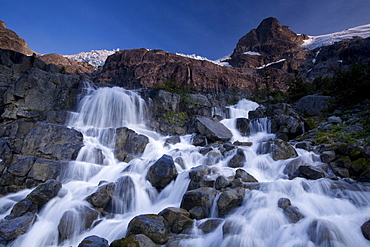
(209, 28)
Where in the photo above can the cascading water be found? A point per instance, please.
(333, 210)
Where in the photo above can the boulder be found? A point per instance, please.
(138, 240)
(327, 156)
(102, 196)
(314, 105)
(44, 193)
(231, 227)
(245, 176)
(12, 228)
(365, 229)
(230, 200)
(286, 127)
(199, 202)
(278, 148)
(74, 221)
(310, 172)
(22, 165)
(238, 160)
(242, 125)
(123, 199)
(222, 182)
(53, 142)
(291, 212)
(162, 172)
(178, 219)
(94, 241)
(129, 144)
(213, 130)
(210, 225)
(151, 225)
(44, 169)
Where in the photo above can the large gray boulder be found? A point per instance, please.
(238, 160)
(213, 130)
(314, 104)
(129, 144)
(53, 142)
(102, 196)
(162, 172)
(279, 149)
(151, 225)
(178, 219)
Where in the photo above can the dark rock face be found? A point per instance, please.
(139, 240)
(212, 130)
(129, 144)
(12, 228)
(314, 104)
(11, 41)
(242, 124)
(52, 142)
(279, 149)
(102, 196)
(94, 241)
(66, 64)
(245, 176)
(141, 68)
(162, 172)
(151, 225)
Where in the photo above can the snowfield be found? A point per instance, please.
(328, 39)
(95, 57)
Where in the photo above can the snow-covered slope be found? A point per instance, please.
(329, 39)
(95, 57)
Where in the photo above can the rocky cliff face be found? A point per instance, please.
(147, 68)
(11, 41)
(68, 65)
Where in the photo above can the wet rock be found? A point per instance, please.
(327, 156)
(281, 150)
(210, 225)
(94, 241)
(244, 176)
(286, 127)
(365, 229)
(12, 228)
(199, 140)
(129, 144)
(172, 140)
(231, 227)
(162, 172)
(44, 192)
(22, 165)
(244, 144)
(230, 200)
(199, 202)
(102, 196)
(238, 160)
(310, 172)
(222, 182)
(242, 125)
(53, 142)
(22, 207)
(291, 212)
(44, 169)
(151, 225)
(74, 221)
(123, 199)
(178, 219)
(304, 145)
(139, 240)
(198, 172)
(213, 130)
(323, 233)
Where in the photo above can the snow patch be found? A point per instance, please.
(253, 53)
(266, 65)
(220, 61)
(95, 57)
(314, 42)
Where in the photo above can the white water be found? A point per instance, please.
(333, 210)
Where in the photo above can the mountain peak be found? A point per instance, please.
(9, 40)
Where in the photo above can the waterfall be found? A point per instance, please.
(333, 210)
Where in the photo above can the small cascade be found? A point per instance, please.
(320, 212)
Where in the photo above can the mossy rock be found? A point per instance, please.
(360, 166)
